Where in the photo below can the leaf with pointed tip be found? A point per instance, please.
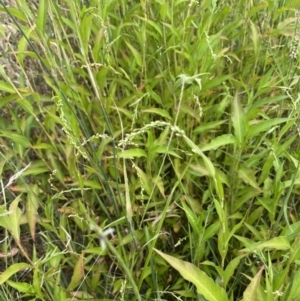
(204, 284)
(32, 206)
(13, 269)
(250, 294)
(218, 142)
(78, 273)
(247, 175)
(239, 121)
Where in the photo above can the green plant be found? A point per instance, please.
(134, 129)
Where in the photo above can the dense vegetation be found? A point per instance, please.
(149, 150)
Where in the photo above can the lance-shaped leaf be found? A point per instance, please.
(250, 294)
(204, 284)
(239, 121)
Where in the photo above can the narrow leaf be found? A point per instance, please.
(16, 138)
(277, 243)
(5, 87)
(13, 269)
(137, 56)
(250, 294)
(160, 112)
(42, 17)
(146, 182)
(210, 167)
(13, 219)
(247, 175)
(32, 206)
(208, 126)
(204, 284)
(255, 38)
(265, 125)
(231, 268)
(239, 121)
(78, 273)
(22, 287)
(219, 141)
(132, 153)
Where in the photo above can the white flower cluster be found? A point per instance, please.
(294, 48)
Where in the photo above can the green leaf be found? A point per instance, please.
(160, 112)
(211, 231)
(42, 17)
(5, 87)
(23, 44)
(25, 7)
(44, 146)
(14, 218)
(277, 243)
(97, 251)
(208, 126)
(248, 243)
(10, 219)
(247, 175)
(250, 294)
(156, 26)
(85, 29)
(192, 218)
(215, 82)
(16, 138)
(132, 153)
(255, 38)
(219, 186)
(22, 287)
(37, 167)
(208, 164)
(294, 292)
(32, 206)
(26, 105)
(162, 149)
(219, 141)
(233, 264)
(78, 273)
(13, 269)
(146, 182)
(265, 125)
(136, 54)
(239, 121)
(92, 184)
(15, 12)
(204, 284)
